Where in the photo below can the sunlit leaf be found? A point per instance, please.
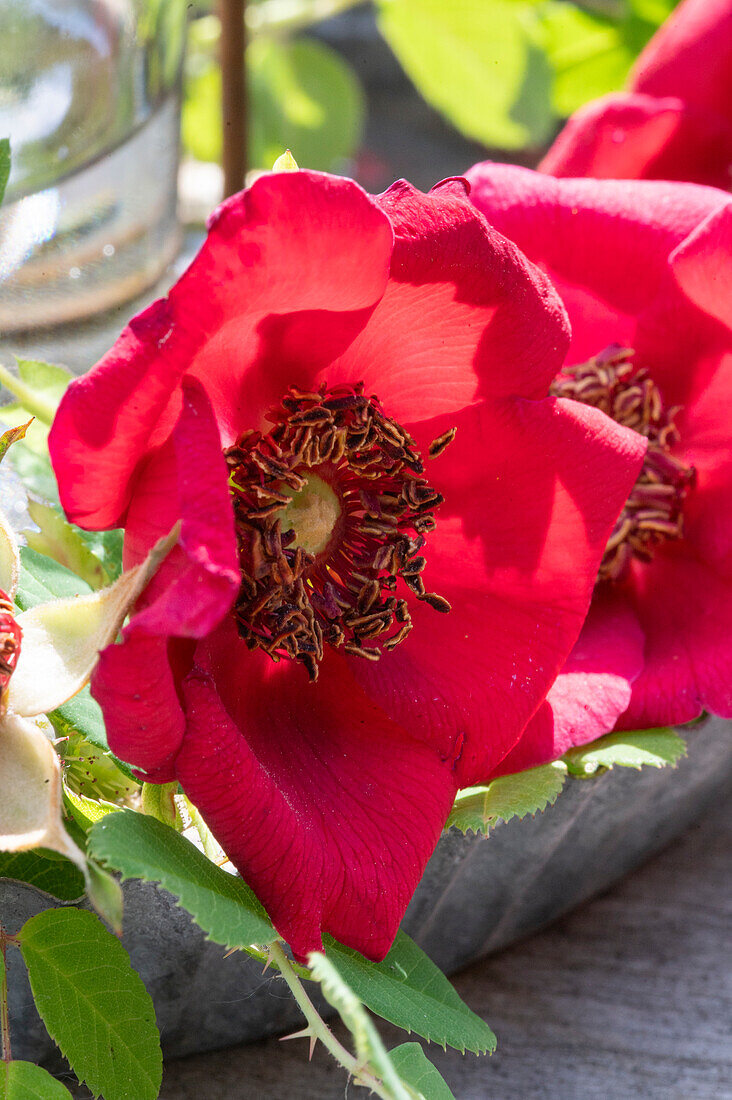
(59, 540)
(480, 64)
(38, 387)
(643, 748)
(303, 97)
(479, 809)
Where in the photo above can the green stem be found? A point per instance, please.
(28, 398)
(281, 17)
(318, 1029)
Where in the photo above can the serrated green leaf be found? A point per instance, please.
(479, 809)
(414, 1067)
(408, 990)
(56, 876)
(26, 1081)
(222, 905)
(61, 541)
(93, 1003)
(480, 64)
(304, 97)
(4, 165)
(43, 579)
(642, 748)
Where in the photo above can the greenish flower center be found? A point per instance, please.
(313, 514)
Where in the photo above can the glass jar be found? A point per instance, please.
(90, 98)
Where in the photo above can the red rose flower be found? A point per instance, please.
(291, 666)
(675, 121)
(644, 270)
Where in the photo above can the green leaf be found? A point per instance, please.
(58, 876)
(38, 386)
(87, 811)
(590, 53)
(33, 468)
(480, 808)
(408, 990)
(11, 436)
(652, 748)
(105, 894)
(304, 97)
(414, 1067)
(4, 165)
(222, 905)
(81, 715)
(93, 1003)
(43, 579)
(59, 540)
(26, 1081)
(480, 64)
(158, 800)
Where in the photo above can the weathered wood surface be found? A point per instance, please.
(628, 997)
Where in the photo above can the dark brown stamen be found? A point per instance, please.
(437, 446)
(291, 601)
(654, 510)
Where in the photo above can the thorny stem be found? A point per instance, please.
(6, 1055)
(318, 1029)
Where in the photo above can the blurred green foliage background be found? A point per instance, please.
(504, 73)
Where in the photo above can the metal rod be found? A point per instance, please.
(234, 93)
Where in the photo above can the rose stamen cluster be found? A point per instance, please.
(653, 512)
(353, 478)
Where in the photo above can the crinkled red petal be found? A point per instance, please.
(329, 809)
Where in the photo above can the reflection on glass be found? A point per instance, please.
(90, 98)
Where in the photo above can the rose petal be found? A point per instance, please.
(684, 608)
(627, 135)
(329, 810)
(690, 56)
(516, 552)
(462, 300)
(275, 248)
(592, 690)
